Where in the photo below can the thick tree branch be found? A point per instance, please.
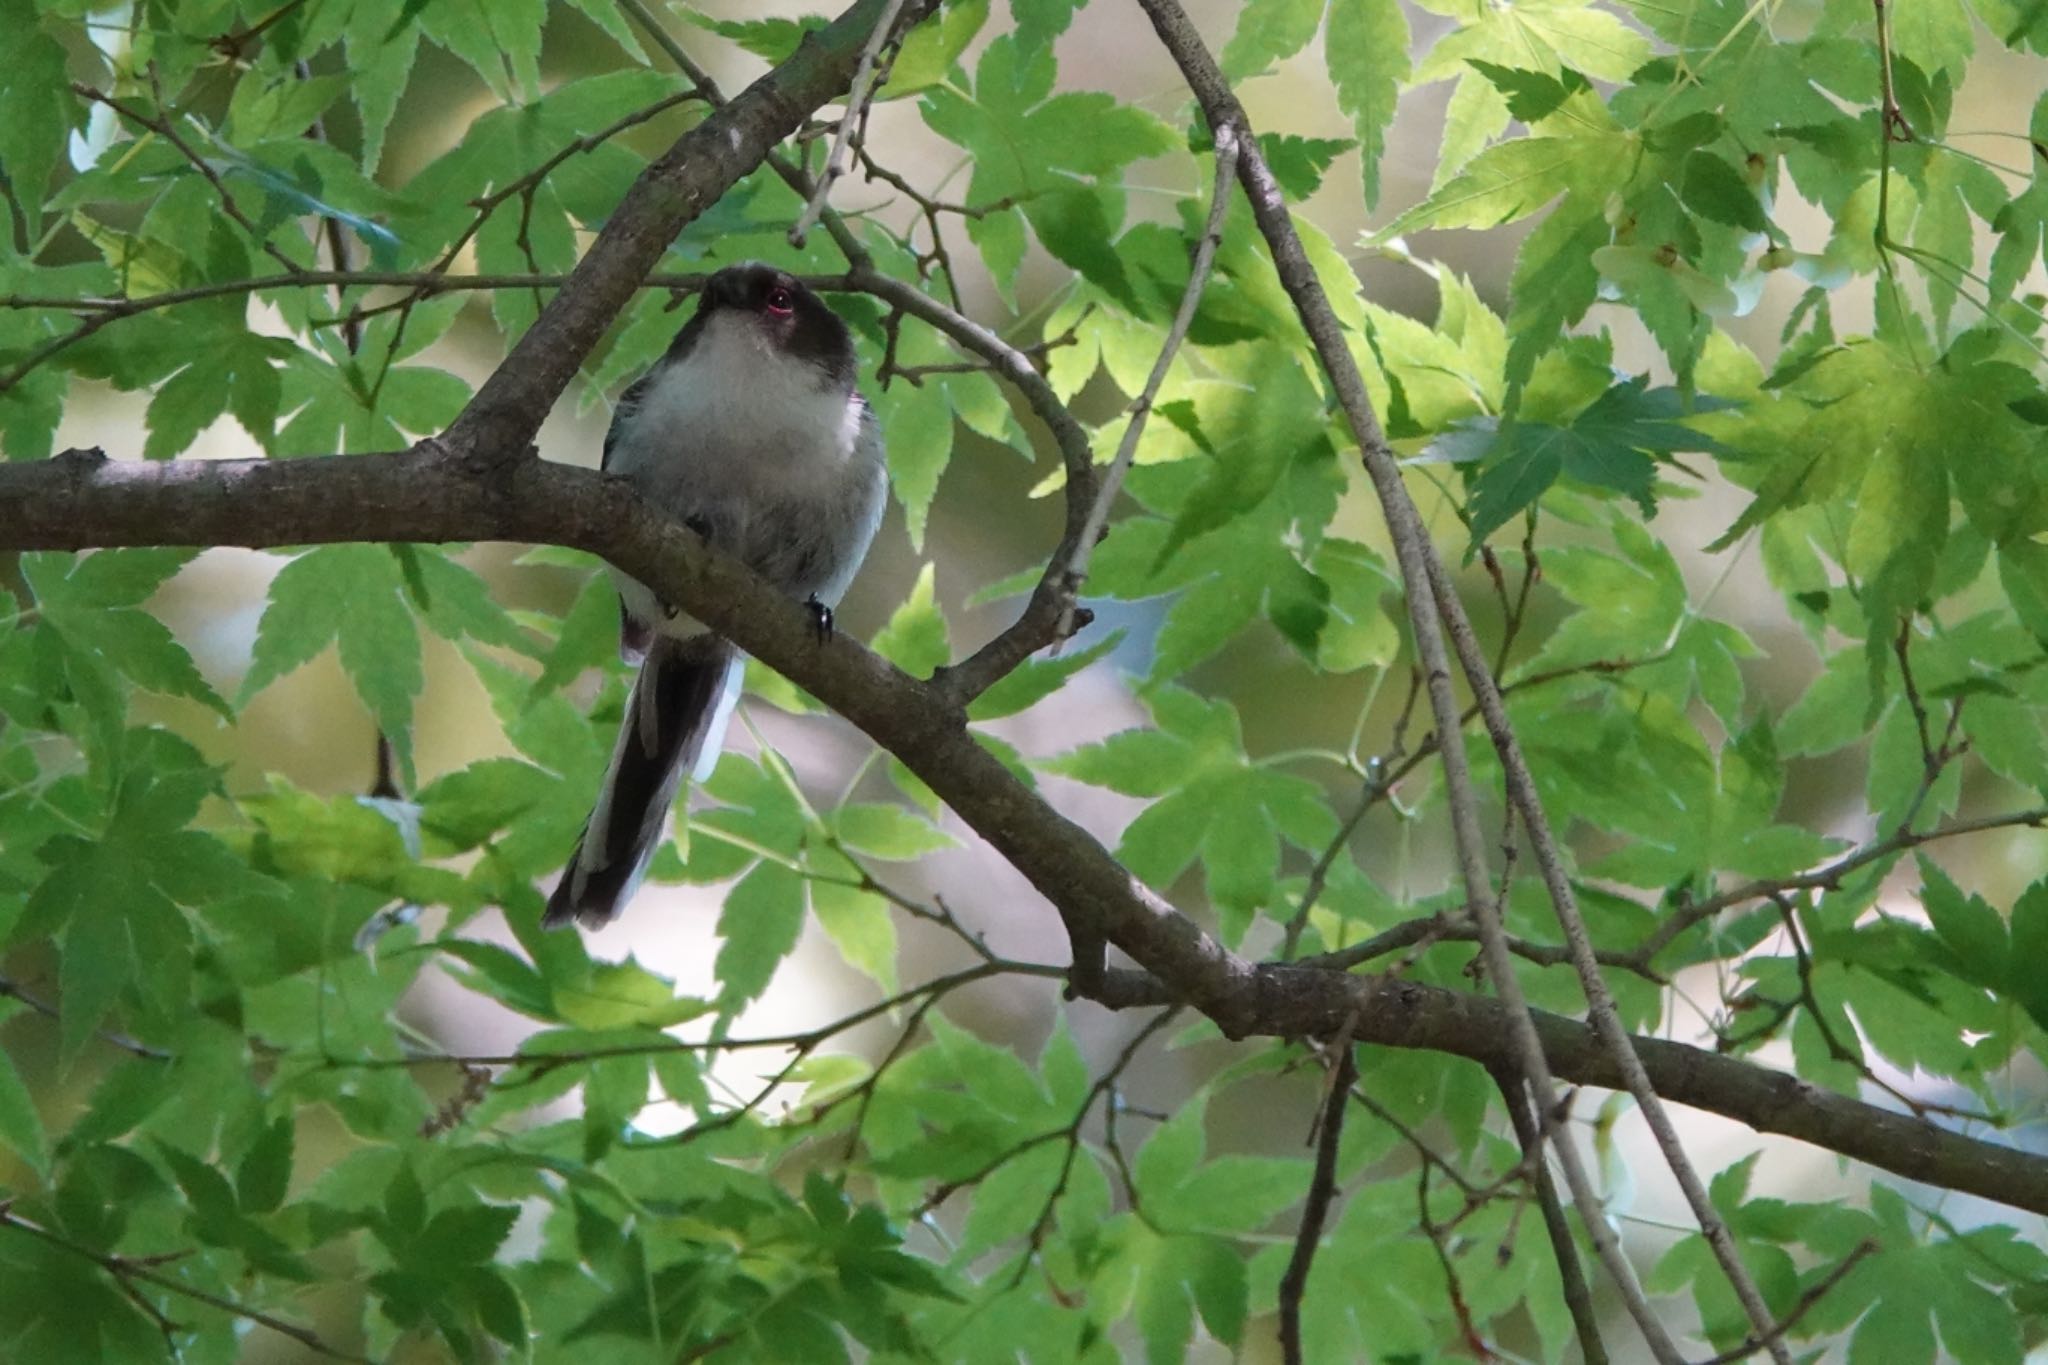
(428, 494)
(80, 500)
(1294, 1001)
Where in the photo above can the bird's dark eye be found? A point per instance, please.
(780, 300)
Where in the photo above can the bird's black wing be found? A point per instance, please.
(628, 407)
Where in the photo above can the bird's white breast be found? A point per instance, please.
(736, 417)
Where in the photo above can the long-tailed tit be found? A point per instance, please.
(750, 430)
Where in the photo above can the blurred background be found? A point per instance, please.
(984, 525)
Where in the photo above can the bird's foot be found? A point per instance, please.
(821, 618)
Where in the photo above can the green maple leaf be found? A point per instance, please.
(113, 898)
(1042, 150)
(2022, 225)
(95, 604)
(1269, 31)
(354, 597)
(1615, 443)
(1365, 45)
(1531, 95)
(1727, 822)
(1213, 804)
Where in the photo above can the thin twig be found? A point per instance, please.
(803, 1041)
(1891, 116)
(524, 188)
(588, 142)
(857, 97)
(1322, 1187)
(1426, 1154)
(1326, 861)
(1385, 772)
(937, 259)
(1809, 998)
(1415, 555)
(127, 1271)
(1439, 1234)
(163, 127)
(235, 46)
(916, 374)
(1600, 1007)
(1076, 572)
(790, 173)
(1103, 1086)
(863, 1094)
(1826, 876)
(1515, 613)
(1003, 359)
(938, 912)
(928, 204)
(1578, 1296)
(102, 312)
(41, 1006)
(1444, 927)
(1382, 771)
(1819, 1290)
(1038, 624)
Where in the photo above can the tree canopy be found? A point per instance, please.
(1554, 698)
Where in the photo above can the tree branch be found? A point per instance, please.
(1444, 927)
(127, 1272)
(857, 99)
(1075, 571)
(1827, 876)
(81, 500)
(1417, 559)
(1322, 1188)
(1578, 1295)
(1296, 1001)
(705, 162)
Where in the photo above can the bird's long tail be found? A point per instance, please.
(675, 723)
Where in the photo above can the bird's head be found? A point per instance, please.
(785, 314)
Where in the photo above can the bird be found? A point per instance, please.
(752, 431)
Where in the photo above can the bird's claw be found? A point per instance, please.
(821, 618)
